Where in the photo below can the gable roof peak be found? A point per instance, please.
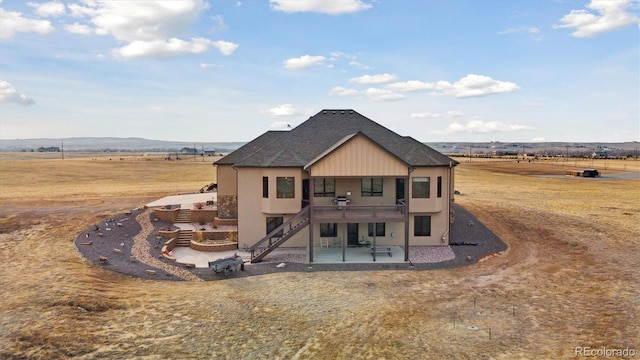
(321, 133)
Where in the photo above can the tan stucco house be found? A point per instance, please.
(337, 178)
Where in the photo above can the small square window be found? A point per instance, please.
(379, 229)
(420, 187)
(285, 187)
(273, 223)
(422, 225)
(328, 230)
(371, 187)
(324, 187)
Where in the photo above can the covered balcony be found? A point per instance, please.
(347, 213)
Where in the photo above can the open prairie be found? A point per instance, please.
(570, 278)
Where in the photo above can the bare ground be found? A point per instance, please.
(570, 278)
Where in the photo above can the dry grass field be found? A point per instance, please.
(571, 277)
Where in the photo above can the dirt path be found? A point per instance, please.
(141, 250)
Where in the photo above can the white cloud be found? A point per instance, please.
(538, 139)
(331, 7)
(219, 23)
(225, 47)
(476, 126)
(8, 94)
(431, 115)
(611, 15)
(341, 91)
(373, 79)
(382, 94)
(208, 65)
(304, 61)
(359, 65)
(150, 28)
(12, 22)
(171, 47)
(144, 20)
(80, 11)
(411, 85)
(281, 110)
(48, 9)
(533, 32)
(77, 28)
(472, 85)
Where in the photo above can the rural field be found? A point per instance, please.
(570, 278)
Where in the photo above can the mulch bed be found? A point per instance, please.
(465, 230)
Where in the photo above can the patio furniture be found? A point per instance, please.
(324, 241)
(381, 249)
(337, 242)
(364, 241)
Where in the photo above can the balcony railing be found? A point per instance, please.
(353, 213)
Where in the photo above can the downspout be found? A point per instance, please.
(450, 206)
(312, 184)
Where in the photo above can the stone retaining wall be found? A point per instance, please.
(166, 214)
(168, 233)
(202, 216)
(222, 245)
(222, 222)
(228, 206)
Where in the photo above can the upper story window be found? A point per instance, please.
(371, 187)
(420, 187)
(285, 187)
(439, 186)
(265, 187)
(324, 187)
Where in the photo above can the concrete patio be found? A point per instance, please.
(185, 201)
(356, 255)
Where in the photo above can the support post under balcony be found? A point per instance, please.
(311, 214)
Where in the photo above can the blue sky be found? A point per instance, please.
(229, 70)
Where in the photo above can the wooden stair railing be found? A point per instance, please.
(288, 229)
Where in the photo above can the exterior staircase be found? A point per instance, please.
(183, 216)
(279, 235)
(184, 238)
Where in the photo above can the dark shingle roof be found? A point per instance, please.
(307, 141)
(250, 147)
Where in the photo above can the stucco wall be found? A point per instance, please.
(253, 209)
(227, 182)
(354, 185)
(433, 203)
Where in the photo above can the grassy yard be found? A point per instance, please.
(569, 279)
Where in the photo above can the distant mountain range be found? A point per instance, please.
(114, 144)
(99, 144)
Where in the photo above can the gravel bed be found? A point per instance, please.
(146, 255)
(92, 246)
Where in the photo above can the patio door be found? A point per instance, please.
(352, 235)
